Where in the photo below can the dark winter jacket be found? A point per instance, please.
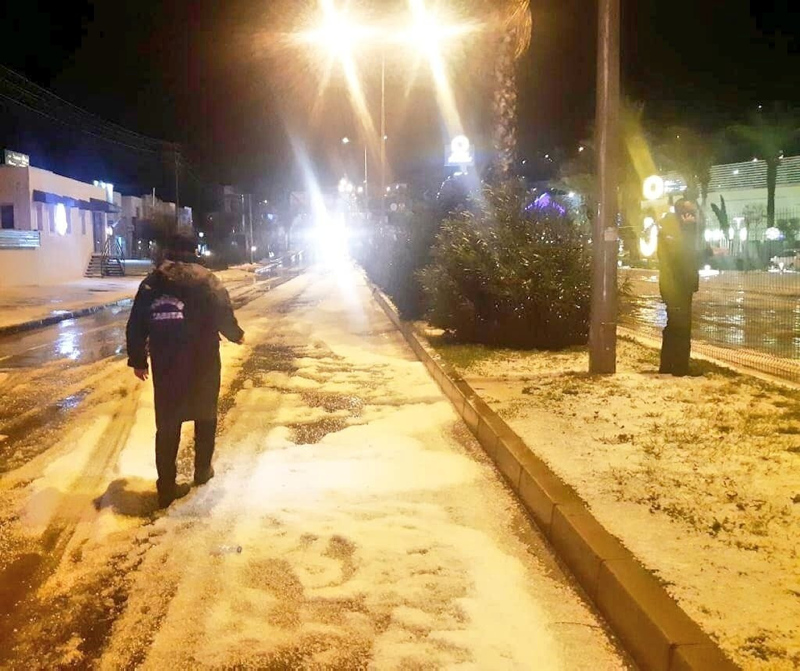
(177, 316)
(678, 278)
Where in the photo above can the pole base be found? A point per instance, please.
(603, 349)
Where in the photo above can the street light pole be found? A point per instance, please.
(244, 227)
(366, 176)
(250, 217)
(383, 134)
(177, 185)
(605, 245)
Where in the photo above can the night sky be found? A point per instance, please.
(201, 73)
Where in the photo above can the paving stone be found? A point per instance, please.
(583, 544)
(642, 614)
(702, 657)
(487, 438)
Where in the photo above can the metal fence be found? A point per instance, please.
(749, 318)
(745, 241)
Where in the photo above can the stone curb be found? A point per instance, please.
(62, 316)
(657, 633)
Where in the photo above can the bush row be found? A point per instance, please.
(497, 271)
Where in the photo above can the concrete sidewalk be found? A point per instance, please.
(24, 308)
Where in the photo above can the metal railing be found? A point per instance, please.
(749, 318)
(112, 252)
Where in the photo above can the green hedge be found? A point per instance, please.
(508, 276)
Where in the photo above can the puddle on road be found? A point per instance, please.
(262, 359)
(294, 304)
(33, 628)
(268, 358)
(19, 582)
(332, 402)
(313, 432)
(16, 581)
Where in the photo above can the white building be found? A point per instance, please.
(741, 232)
(51, 225)
(744, 189)
(136, 213)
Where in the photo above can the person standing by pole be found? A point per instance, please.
(678, 280)
(177, 317)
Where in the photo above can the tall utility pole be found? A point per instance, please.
(177, 192)
(244, 226)
(605, 238)
(250, 217)
(383, 135)
(366, 176)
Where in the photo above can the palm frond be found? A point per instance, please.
(519, 22)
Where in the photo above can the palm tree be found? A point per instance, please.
(634, 161)
(512, 28)
(769, 134)
(691, 155)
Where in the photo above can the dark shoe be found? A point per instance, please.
(178, 492)
(204, 477)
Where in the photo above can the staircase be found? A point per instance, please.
(95, 268)
(107, 264)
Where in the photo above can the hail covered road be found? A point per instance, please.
(372, 531)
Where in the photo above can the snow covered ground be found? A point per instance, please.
(697, 476)
(373, 531)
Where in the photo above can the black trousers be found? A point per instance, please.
(167, 440)
(676, 343)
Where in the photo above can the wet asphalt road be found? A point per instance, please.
(79, 341)
(48, 374)
(758, 311)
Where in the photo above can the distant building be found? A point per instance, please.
(744, 188)
(140, 221)
(740, 236)
(51, 225)
(54, 228)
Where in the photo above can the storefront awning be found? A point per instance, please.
(92, 205)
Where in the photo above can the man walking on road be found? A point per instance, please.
(177, 316)
(678, 280)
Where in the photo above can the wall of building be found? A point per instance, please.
(131, 207)
(60, 258)
(44, 180)
(15, 190)
(787, 198)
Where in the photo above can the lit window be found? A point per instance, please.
(61, 219)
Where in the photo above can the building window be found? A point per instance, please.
(83, 221)
(61, 218)
(7, 216)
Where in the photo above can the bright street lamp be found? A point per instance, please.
(346, 141)
(338, 35)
